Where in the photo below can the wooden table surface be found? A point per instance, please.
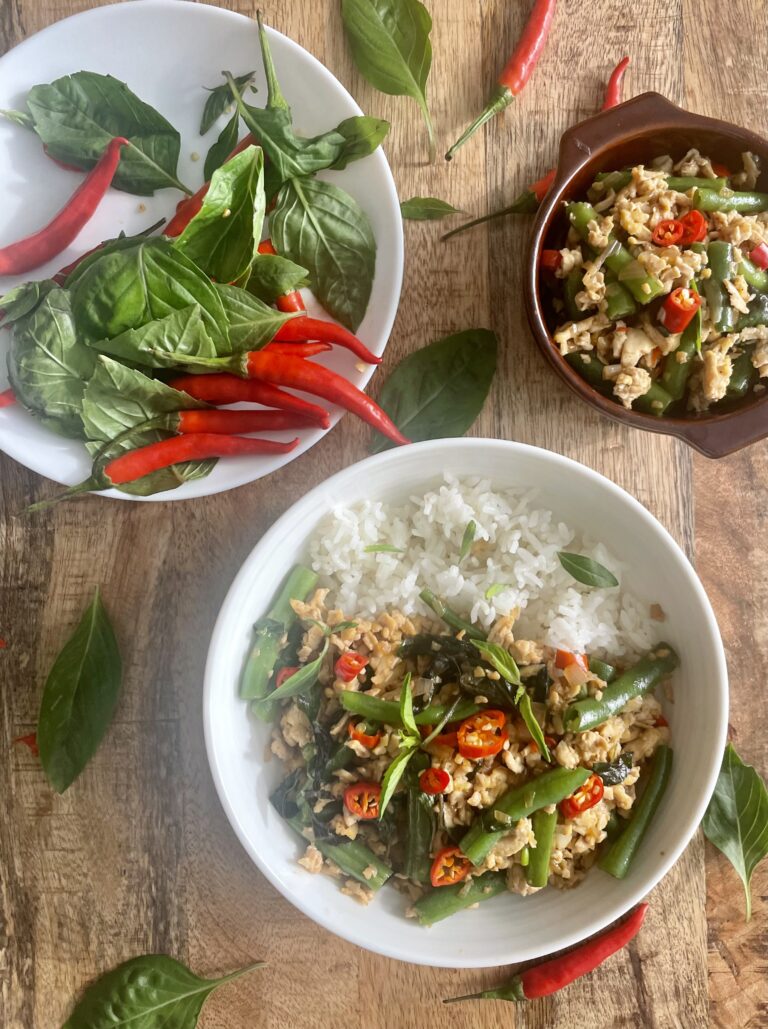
(138, 855)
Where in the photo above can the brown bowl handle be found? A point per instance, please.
(718, 437)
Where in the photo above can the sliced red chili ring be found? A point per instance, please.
(550, 260)
(584, 798)
(357, 730)
(721, 170)
(563, 658)
(285, 673)
(694, 228)
(362, 799)
(443, 739)
(668, 232)
(759, 255)
(434, 781)
(482, 735)
(349, 666)
(449, 867)
(677, 311)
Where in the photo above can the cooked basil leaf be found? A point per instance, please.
(382, 548)
(390, 44)
(494, 589)
(467, 539)
(79, 698)
(395, 771)
(426, 209)
(325, 230)
(251, 324)
(77, 115)
(223, 147)
(533, 727)
(614, 772)
(501, 660)
(219, 99)
(736, 820)
(438, 391)
(272, 276)
(147, 992)
(329, 630)
(406, 708)
(585, 570)
(300, 682)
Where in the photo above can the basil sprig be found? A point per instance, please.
(410, 738)
(220, 98)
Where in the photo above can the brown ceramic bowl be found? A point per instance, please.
(634, 133)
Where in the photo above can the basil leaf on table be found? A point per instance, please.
(390, 45)
(426, 209)
(77, 115)
(252, 324)
(219, 99)
(220, 150)
(587, 571)
(149, 280)
(23, 299)
(48, 364)
(222, 237)
(272, 276)
(438, 391)
(736, 821)
(325, 230)
(148, 992)
(79, 698)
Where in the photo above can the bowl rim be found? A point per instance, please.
(714, 435)
(506, 450)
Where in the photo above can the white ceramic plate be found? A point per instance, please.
(167, 50)
(508, 928)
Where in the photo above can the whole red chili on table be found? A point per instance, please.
(552, 975)
(517, 70)
(614, 89)
(45, 244)
(349, 666)
(362, 799)
(449, 867)
(678, 309)
(584, 798)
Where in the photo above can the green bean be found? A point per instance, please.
(743, 377)
(354, 859)
(643, 287)
(269, 632)
(675, 373)
(420, 823)
(602, 669)
(756, 277)
(443, 901)
(721, 264)
(758, 314)
(619, 302)
(635, 682)
(618, 857)
(450, 617)
(728, 200)
(544, 823)
(388, 711)
(520, 802)
(680, 183)
(589, 367)
(573, 284)
(655, 401)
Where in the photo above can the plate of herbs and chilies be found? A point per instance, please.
(224, 327)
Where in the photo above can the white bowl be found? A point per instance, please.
(508, 928)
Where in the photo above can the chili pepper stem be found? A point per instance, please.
(501, 99)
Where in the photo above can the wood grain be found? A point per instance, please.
(138, 856)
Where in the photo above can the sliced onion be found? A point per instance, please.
(575, 675)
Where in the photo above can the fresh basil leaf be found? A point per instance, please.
(79, 698)
(300, 682)
(394, 773)
(438, 391)
(223, 147)
(77, 115)
(736, 821)
(406, 708)
(48, 365)
(23, 299)
(526, 710)
(467, 539)
(182, 332)
(272, 276)
(329, 630)
(494, 590)
(325, 230)
(219, 99)
(362, 135)
(382, 548)
(147, 992)
(22, 118)
(223, 235)
(251, 324)
(426, 209)
(128, 288)
(390, 45)
(109, 246)
(501, 660)
(585, 570)
(614, 772)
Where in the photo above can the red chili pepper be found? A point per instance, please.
(285, 673)
(550, 260)
(434, 781)
(721, 170)
(229, 389)
(584, 798)
(563, 658)
(138, 463)
(759, 255)
(29, 741)
(694, 228)
(369, 740)
(43, 245)
(678, 309)
(517, 70)
(550, 741)
(290, 301)
(298, 349)
(668, 232)
(614, 88)
(297, 330)
(229, 423)
(558, 972)
(541, 186)
(449, 867)
(187, 208)
(7, 397)
(349, 666)
(362, 799)
(661, 723)
(443, 739)
(482, 735)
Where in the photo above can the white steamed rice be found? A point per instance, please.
(524, 540)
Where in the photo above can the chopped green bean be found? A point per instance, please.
(655, 401)
(537, 871)
(442, 901)
(602, 669)
(728, 200)
(756, 277)
(420, 823)
(354, 859)
(573, 283)
(388, 711)
(743, 377)
(758, 313)
(680, 183)
(619, 302)
(721, 264)
(675, 372)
